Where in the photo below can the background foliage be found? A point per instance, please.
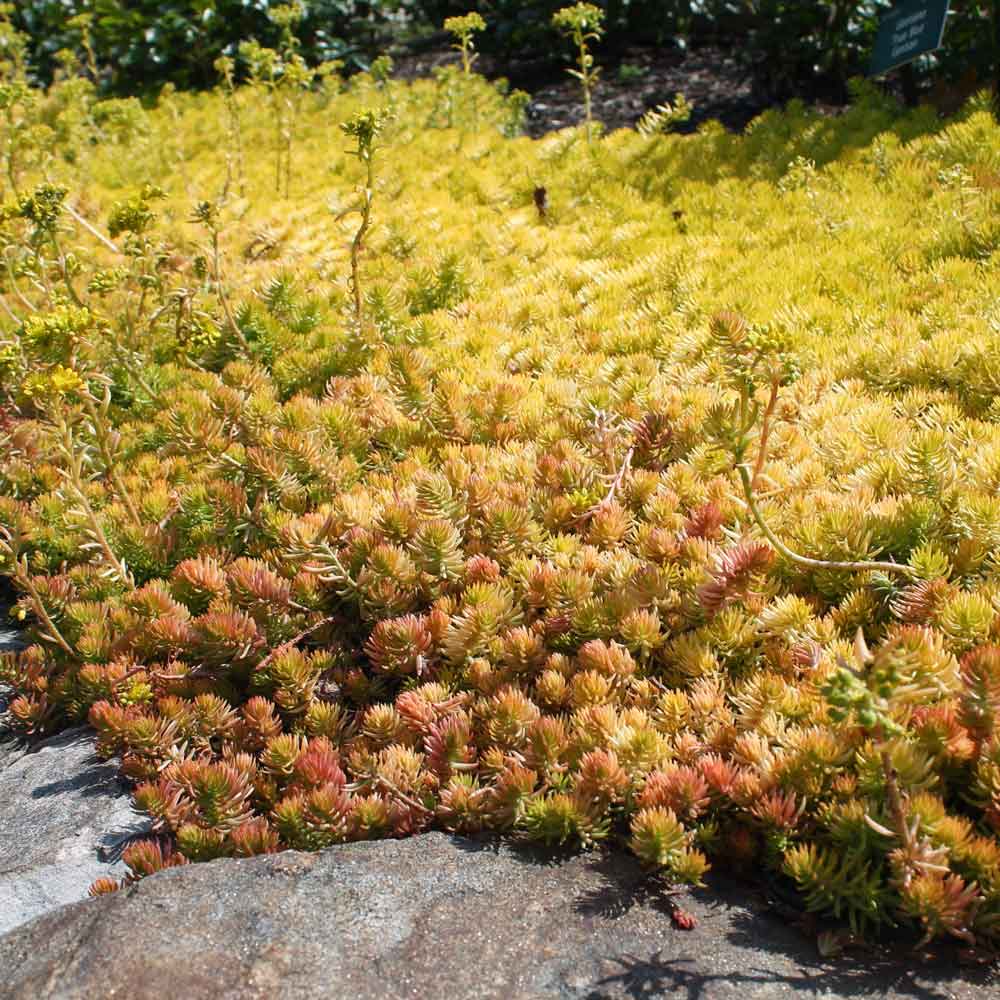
(787, 45)
(141, 44)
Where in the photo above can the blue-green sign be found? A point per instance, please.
(910, 29)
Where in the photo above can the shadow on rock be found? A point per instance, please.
(97, 778)
(526, 853)
(685, 977)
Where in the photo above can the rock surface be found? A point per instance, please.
(64, 817)
(434, 916)
(10, 641)
(8, 636)
(426, 917)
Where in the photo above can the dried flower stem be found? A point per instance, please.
(23, 578)
(102, 435)
(74, 477)
(221, 291)
(857, 566)
(749, 481)
(402, 796)
(295, 640)
(613, 489)
(17, 288)
(357, 244)
(765, 432)
(93, 230)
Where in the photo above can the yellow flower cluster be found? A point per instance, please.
(57, 381)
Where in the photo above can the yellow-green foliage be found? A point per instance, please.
(468, 556)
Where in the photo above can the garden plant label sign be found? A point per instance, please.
(909, 30)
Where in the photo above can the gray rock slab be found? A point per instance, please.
(64, 818)
(10, 641)
(64, 815)
(9, 638)
(436, 916)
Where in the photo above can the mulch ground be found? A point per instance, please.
(710, 78)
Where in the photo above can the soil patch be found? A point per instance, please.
(711, 78)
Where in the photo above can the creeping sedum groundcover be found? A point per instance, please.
(642, 489)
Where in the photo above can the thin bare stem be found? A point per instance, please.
(294, 641)
(14, 285)
(74, 477)
(359, 238)
(10, 312)
(402, 796)
(221, 291)
(895, 800)
(23, 578)
(135, 373)
(103, 436)
(93, 230)
(612, 490)
(64, 270)
(858, 566)
(765, 433)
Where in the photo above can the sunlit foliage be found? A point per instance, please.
(475, 552)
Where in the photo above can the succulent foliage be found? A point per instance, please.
(667, 515)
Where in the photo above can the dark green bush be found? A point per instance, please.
(789, 47)
(790, 44)
(523, 27)
(141, 44)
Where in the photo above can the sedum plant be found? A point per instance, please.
(365, 128)
(226, 68)
(283, 75)
(582, 24)
(565, 546)
(463, 28)
(664, 117)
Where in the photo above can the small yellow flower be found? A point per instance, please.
(58, 381)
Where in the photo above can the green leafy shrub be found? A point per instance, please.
(141, 45)
(788, 46)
